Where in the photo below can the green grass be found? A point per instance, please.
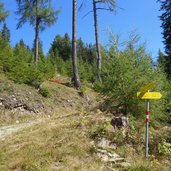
(63, 141)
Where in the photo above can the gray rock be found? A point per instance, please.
(1, 99)
(119, 122)
(104, 143)
(103, 157)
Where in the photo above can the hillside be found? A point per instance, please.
(68, 131)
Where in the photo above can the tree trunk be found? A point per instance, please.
(98, 63)
(77, 82)
(36, 43)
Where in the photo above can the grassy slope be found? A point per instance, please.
(58, 142)
(63, 141)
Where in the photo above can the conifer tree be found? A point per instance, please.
(5, 33)
(40, 14)
(166, 24)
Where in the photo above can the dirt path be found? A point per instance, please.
(8, 130)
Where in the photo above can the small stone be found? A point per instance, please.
(92, 143)
(116, 159)
(49, 116)
(115, 155)
(104, 158)
(2, 99)
(22, 110)
(125, 164)
(106, 144)
(17, 122)
(102, 151)
(99, 111)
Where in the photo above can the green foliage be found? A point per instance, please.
(99, 131)
(164, 147)
(45, 92)
(165, 60)
(139, 168)
(3, 14)
(61, 46)
(5, 33)
(18, 64)
(86, 71)
(32, 10)
(123, 74)
(60, 56)
(166, 25)
(6, 55)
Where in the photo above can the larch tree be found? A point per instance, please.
(3, 14)
(108, 5)
(77, 82)
(40, 14)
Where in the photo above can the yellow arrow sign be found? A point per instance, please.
(150, 95)
(145, 89)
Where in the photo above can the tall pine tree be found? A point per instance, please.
(5, 33)
(166, 25)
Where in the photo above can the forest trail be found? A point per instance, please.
(6, 131)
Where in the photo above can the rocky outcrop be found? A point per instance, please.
(105, 150)
(13, 103)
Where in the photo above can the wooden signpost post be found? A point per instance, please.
(144, 94)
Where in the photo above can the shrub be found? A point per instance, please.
(44, 92)
(123, 74)
(164, 148)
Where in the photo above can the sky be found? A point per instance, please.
(142, 16)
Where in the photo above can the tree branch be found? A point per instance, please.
(107, 9)
(87, 14)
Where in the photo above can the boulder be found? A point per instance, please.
(120, 122)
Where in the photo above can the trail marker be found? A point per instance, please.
(144, 94)
(144, 89)
(150, 95)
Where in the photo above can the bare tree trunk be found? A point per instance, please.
(97, 42)
(77, 82)
(36, 43)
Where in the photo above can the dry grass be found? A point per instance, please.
(62, 142)
(52, 145)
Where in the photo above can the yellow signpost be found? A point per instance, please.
(144, 89)
(144, 94)
(150, 95)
